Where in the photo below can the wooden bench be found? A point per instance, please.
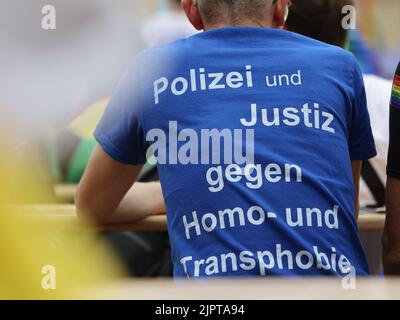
(65, 192)
(65, 215)
(245, 289)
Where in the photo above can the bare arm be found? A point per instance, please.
(356, 167)
(391, 234)
(108, 192)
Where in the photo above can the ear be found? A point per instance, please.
(192, 12)
(280, 13)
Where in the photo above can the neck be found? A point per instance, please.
(242, 23)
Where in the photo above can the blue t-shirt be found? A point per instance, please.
(254, 131)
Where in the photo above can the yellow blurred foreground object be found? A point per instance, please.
(38, 259)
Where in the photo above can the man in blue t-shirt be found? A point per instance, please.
(258, 134)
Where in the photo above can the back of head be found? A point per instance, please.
(233, 11)
(319, 19)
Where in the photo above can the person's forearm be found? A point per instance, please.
(141, 201)
(391, 236)
(105, 193)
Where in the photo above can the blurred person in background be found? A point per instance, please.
(238, 34)
(391, 237)
(322, 20)
(167, 26)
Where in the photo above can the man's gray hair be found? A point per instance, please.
(214, 11)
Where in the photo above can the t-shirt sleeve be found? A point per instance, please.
(120, 132)
(361, 140)
(393, 169)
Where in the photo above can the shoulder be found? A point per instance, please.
(323, 52)
(311, 43)
(162, 53)
(161, 60)
(169, 47)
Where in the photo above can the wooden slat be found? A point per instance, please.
(65, 192)
(257, 289)
(53, 210)
(65, 217)
(368, 221)
(371, 221)
(66, 214)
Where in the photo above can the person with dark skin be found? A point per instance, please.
(391, 236)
